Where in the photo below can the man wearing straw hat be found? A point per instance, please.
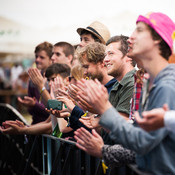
(95, 32)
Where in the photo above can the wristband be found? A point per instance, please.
(42, 90)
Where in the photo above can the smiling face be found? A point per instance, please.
(140, 43)
(114, 59)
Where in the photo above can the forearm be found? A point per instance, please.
(129, 136)
(45, 95)
(37, 129)
(63, 125)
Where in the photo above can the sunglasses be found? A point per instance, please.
(70, 78)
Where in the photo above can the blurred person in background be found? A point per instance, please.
(33, 101)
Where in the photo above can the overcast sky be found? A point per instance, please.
(42, 14)
(48, 13)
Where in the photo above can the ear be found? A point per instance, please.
(70, 57)
(157, 41)
(102, 64)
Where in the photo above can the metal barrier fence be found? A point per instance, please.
(45, 154)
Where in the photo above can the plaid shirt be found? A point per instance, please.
(135, 99)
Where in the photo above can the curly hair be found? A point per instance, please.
(94, 53)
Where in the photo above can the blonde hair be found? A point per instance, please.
(77, 72)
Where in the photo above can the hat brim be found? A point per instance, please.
(79, 30)
(145, 20)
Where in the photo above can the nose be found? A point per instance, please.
(129, 40)
(82, 44)
(37, 59)
(131, 37)
(106, 59)
(53, 58)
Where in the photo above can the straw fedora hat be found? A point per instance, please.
(98, 29)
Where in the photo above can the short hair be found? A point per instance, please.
(165, 50)
(68, 48)
(62, 69)
(94, 53)
(93, 36)
(123, 44)
(46, 46)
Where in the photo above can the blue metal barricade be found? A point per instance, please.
(47, 155)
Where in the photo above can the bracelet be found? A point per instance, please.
(42, 90)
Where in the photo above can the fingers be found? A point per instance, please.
(79, 145)
(95, 134)
(28, 98)
(19, 123)
(62, 93)
(5, 130)
(87, 123)
(98, 137)
(165, 107)
(34, 72)
(61, 98)
(139, 119)
(85, 133)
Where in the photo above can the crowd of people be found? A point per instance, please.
(116, 94)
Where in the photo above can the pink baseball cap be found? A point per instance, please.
(162, 24)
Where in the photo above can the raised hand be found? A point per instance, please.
(96, 95)
(90, 121)
(56, 85)
(27, 101)
(90, 143)
(37, 78)
(72, 91)
(153, 119)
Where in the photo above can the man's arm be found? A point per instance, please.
(153, 119)
(123, 132)
(129, 136)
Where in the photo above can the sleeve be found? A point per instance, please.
(116, 156)
(38, 110)
(128, 135)
(169, 120)
(74, 122)
(133, 137)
